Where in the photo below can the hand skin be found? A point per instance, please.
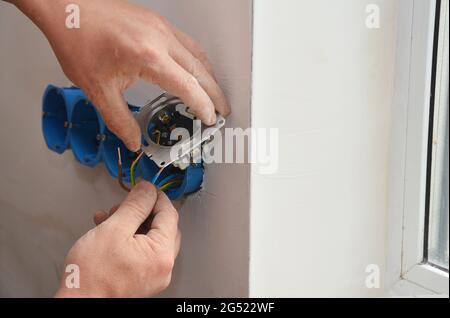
(127, 254)
(117, 44)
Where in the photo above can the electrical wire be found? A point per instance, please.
(169, 184)
(133, 168)
(166, 183)
(156, 176)
(120, 176)
(169, 178)
(158, 140)
(163, 185)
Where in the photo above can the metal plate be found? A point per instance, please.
(164, 156)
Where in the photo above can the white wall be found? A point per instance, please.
(47, 201)
(325, 80)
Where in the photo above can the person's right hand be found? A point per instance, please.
(132, 250)
(118, 43)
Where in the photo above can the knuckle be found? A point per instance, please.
(165, 264)
(160, 24)
(92, 88)
(150, 54)
(174, 214)
(119, 125)
(166, 282)
(196, 69)
(188, 84)
(170, 209)
(196, 47)
(114, 124)
(202, 56)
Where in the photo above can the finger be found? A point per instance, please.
(191, 64)
(100, 217)
(136, 208)
(114, 111)
(173, 78)
(165, 221)
(195, 49)
(113, 209)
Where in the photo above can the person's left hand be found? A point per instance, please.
(132, 250)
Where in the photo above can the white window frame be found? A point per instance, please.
(407, 274)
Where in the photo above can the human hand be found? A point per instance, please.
(117, 44)
(132, 250)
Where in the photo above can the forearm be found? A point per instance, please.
(48, 15)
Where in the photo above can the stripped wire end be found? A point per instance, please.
(120, 176)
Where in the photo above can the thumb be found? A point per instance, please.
(136, 208)
(118, 118)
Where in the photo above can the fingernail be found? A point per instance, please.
(99, 214)
(227, 111)
(212, 119)
(145, 187)
(134, 146)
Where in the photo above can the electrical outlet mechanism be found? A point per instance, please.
(173, 135)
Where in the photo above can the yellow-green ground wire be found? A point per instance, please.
(163, 187)
(133, 168)
(167, 185)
